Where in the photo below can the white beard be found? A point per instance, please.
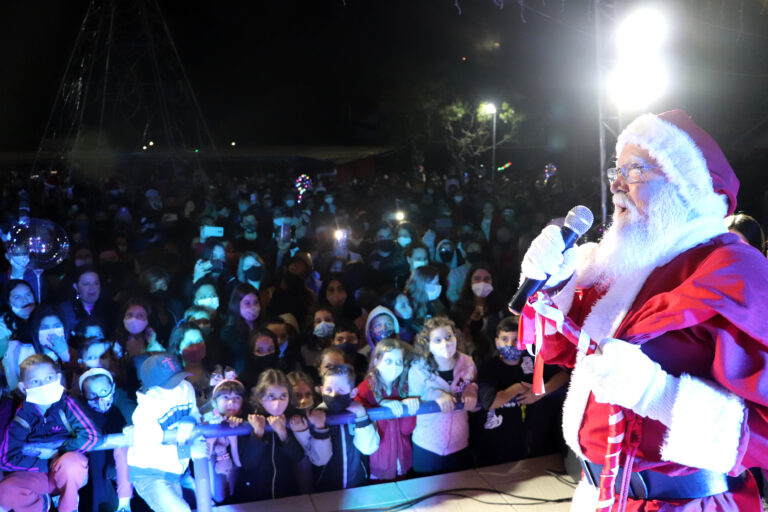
(635, 241)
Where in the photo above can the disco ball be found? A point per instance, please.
(44, 242)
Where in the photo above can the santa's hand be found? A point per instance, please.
(545, 257)
(623, 375)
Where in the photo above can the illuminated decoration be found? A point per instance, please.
(549, 170)
(504, 167)
(43, 242)
(302, 185)
(144, 148)
(232, 143)
(151, 143)
(197, 150)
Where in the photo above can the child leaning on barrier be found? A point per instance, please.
(166, 401)
(441, 440)
(44, 446)
(353, 442)
(387, 385)
(269, 457)
(227, 409)
(111, 409)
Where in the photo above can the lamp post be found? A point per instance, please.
(488, 109)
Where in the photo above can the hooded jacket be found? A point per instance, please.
(440, 433)
(378, 310)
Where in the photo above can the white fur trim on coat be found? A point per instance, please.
(706, 426)
(585, 497)
(681, 161)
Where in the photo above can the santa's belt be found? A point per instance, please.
(652, 485)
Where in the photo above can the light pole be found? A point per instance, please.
(488, 109)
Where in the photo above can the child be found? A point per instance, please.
(387, 385)
(166, 401)
(262, 356)
(330, 357)
(505, 391)
(346, 337)
(440, 441)
(303, 389)
(352, 443)
(45, 443)
(227, 406)
(269, 457)
(111, 410)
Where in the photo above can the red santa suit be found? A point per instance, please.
(699, 312)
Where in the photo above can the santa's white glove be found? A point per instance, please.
(545, 257)
(623, 375)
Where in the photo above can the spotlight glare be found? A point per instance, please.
(637, 84)
(151, 143)
(399, 216)
(643, 31)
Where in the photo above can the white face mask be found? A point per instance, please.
(433, 291)
(444, 350)
(482, 290)
(209, 302)
(46, 394)
(324, 329)
(404, 241)
(418, 263)
(389, 372)
(135, 326)
(50, 334)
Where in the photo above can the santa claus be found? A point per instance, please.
(678, 307)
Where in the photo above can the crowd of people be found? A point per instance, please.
(189, 298)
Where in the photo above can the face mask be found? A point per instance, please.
(458, 199)
(404, 311)
(474, 257)
(404, 241)
(209, 302)
(102, 405)
(242, 207)
(446, 256)
(482, 290)
(249, 228)
(444, 350)
(378, 336)
(217, 265)
(386, 245)
(329, 199)
(338, 403)
(45, 395)
(389, 372)
(46, 334)
(194, 353)
(418, 264)
(254, 273)
(433, 291)
(348, 348)
(267, 361)
(289, 203)
(24, 311)
(510, 353)
(324, 329)
(135, 326)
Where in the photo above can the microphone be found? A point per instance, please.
(577, 222)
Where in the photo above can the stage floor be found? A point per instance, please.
(523, 478)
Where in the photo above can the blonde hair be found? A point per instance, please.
(422, 339)
(270, 377)
(401, 383)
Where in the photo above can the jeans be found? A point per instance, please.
(161, 495)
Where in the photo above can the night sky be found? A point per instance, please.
(322, 72)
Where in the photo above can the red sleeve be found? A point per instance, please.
(365, 395)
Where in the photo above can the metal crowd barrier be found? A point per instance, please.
(200, 465)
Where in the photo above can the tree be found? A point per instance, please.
(468, 131)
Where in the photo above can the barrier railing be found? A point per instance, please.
(200, 465)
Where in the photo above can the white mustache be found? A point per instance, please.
(622, 201)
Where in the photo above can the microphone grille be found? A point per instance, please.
(579, 219)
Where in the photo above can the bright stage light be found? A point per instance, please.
(634, 85)
(643, 31)
(151, 143)
(487, 108)
(338, 234)
(399, 216)
(232, 143)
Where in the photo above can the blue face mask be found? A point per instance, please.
(510, 353)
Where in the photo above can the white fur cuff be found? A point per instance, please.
(706, 426)
(585, 497)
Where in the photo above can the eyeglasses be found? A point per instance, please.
(632, 173)
(103, 394)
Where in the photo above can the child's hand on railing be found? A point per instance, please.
(446, 401)
(298, 423)
(279, 426)
(412, 404)
(393, 405)
(469, 399)
(258, 423)
(317, 418)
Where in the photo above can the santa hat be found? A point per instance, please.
(689, 157)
